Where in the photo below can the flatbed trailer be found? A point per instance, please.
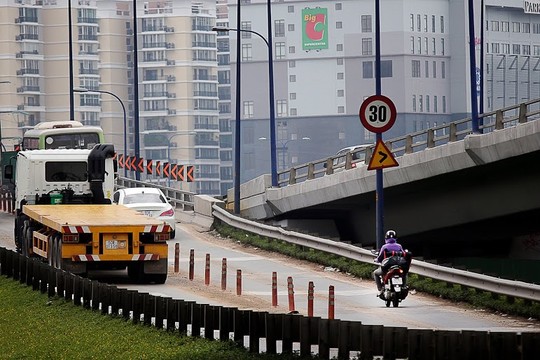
(82, 237)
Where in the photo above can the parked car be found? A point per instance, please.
(358, 155)
(150, 201)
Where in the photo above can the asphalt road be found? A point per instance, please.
(354, 299)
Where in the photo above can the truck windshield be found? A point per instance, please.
(65, 171)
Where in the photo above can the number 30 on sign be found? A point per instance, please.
(377, 113)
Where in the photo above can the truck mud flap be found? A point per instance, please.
(155, 267)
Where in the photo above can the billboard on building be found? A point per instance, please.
(531, 6)
(314, 29)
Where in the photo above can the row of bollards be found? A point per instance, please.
(6, 202)
(290, 284)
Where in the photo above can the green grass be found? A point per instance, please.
(33, 326)
(456, 293)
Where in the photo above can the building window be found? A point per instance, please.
(412, 44)
(419, 41)
(411, 17)
(432, 23)
(516, 27)
(341, 109)
(279, 28)
(526, 49)
(292, 78)
(279, 50)
(290, 9)
(292, 63)
(367, 46)
(281, 110)
(442, 24)
(494, 25)
(292, 49)
(245, 25)
(294, 112)
(416, 68)
(505, 26)
(290, 27)
(427, 103)
(366, 23)
(516, 49)
(443, 70)
(442, 46)
(339, 47)
(434, 72)
(536, 28)
(248, 109)
(292, 96)
(339, 25)
(418, 23)
(341, 93)
(426, 69)
(434, 46)
(246, 52)
(435, 105)
(495, 49)
(444, 104)
(420, 104)
(505, 48)
(340, 76)
(425, 24)
(339, 61)
(386, 68)
(426, 48)
(414, 103)
(367, 69)
(338, 6)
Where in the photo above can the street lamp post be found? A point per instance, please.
(81, 90)
(273, 157)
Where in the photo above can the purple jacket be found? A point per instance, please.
(390, 246)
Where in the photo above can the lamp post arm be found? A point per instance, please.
(243, 30)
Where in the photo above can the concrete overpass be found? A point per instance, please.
(450, 185)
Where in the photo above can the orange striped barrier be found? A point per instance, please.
(290, 287)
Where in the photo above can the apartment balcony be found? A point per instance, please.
(155, 94)
(154, 112)
(22, 37)
(164, 78)
(33, 107)
(154, 45)
(88, 37)
(90, 102)
(26, 19)
(28, 72)
(212, 94)
(27, 89)
(87, 20)
(205, 77)
(28, 54)
(171, 112)
(89, 71)
(204, 44)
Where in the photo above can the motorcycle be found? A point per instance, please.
(395, 268)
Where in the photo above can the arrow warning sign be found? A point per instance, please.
(382, 157)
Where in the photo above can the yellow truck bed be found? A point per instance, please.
(61, 217)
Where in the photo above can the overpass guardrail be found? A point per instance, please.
(516, 289)
(417, 141)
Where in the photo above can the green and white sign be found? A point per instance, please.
(315, 29)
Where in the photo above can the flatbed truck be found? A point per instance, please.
(64, 215)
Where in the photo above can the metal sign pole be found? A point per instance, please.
(379, 197)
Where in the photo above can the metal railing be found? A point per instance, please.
(417, 141)
(516, 289)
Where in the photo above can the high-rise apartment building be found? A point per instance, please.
(177, 76)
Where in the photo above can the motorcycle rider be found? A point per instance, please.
(391, 245)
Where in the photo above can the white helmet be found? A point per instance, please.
(390, 234)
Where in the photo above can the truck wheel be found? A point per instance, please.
(27, 241)
(59, 263)
(135, 272)
(51, 252)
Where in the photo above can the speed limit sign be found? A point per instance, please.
(378, 113)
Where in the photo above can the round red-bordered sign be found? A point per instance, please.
(377, 113)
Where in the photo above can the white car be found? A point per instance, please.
(150, 201)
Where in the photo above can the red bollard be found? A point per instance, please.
(191, 263)
(239, 282)
(207, 270)
(290, 288)
(10, 203)
(224, 274)
(331, 302)
(310, 299)
(274, 289)
(4, 205)
(176, 257)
